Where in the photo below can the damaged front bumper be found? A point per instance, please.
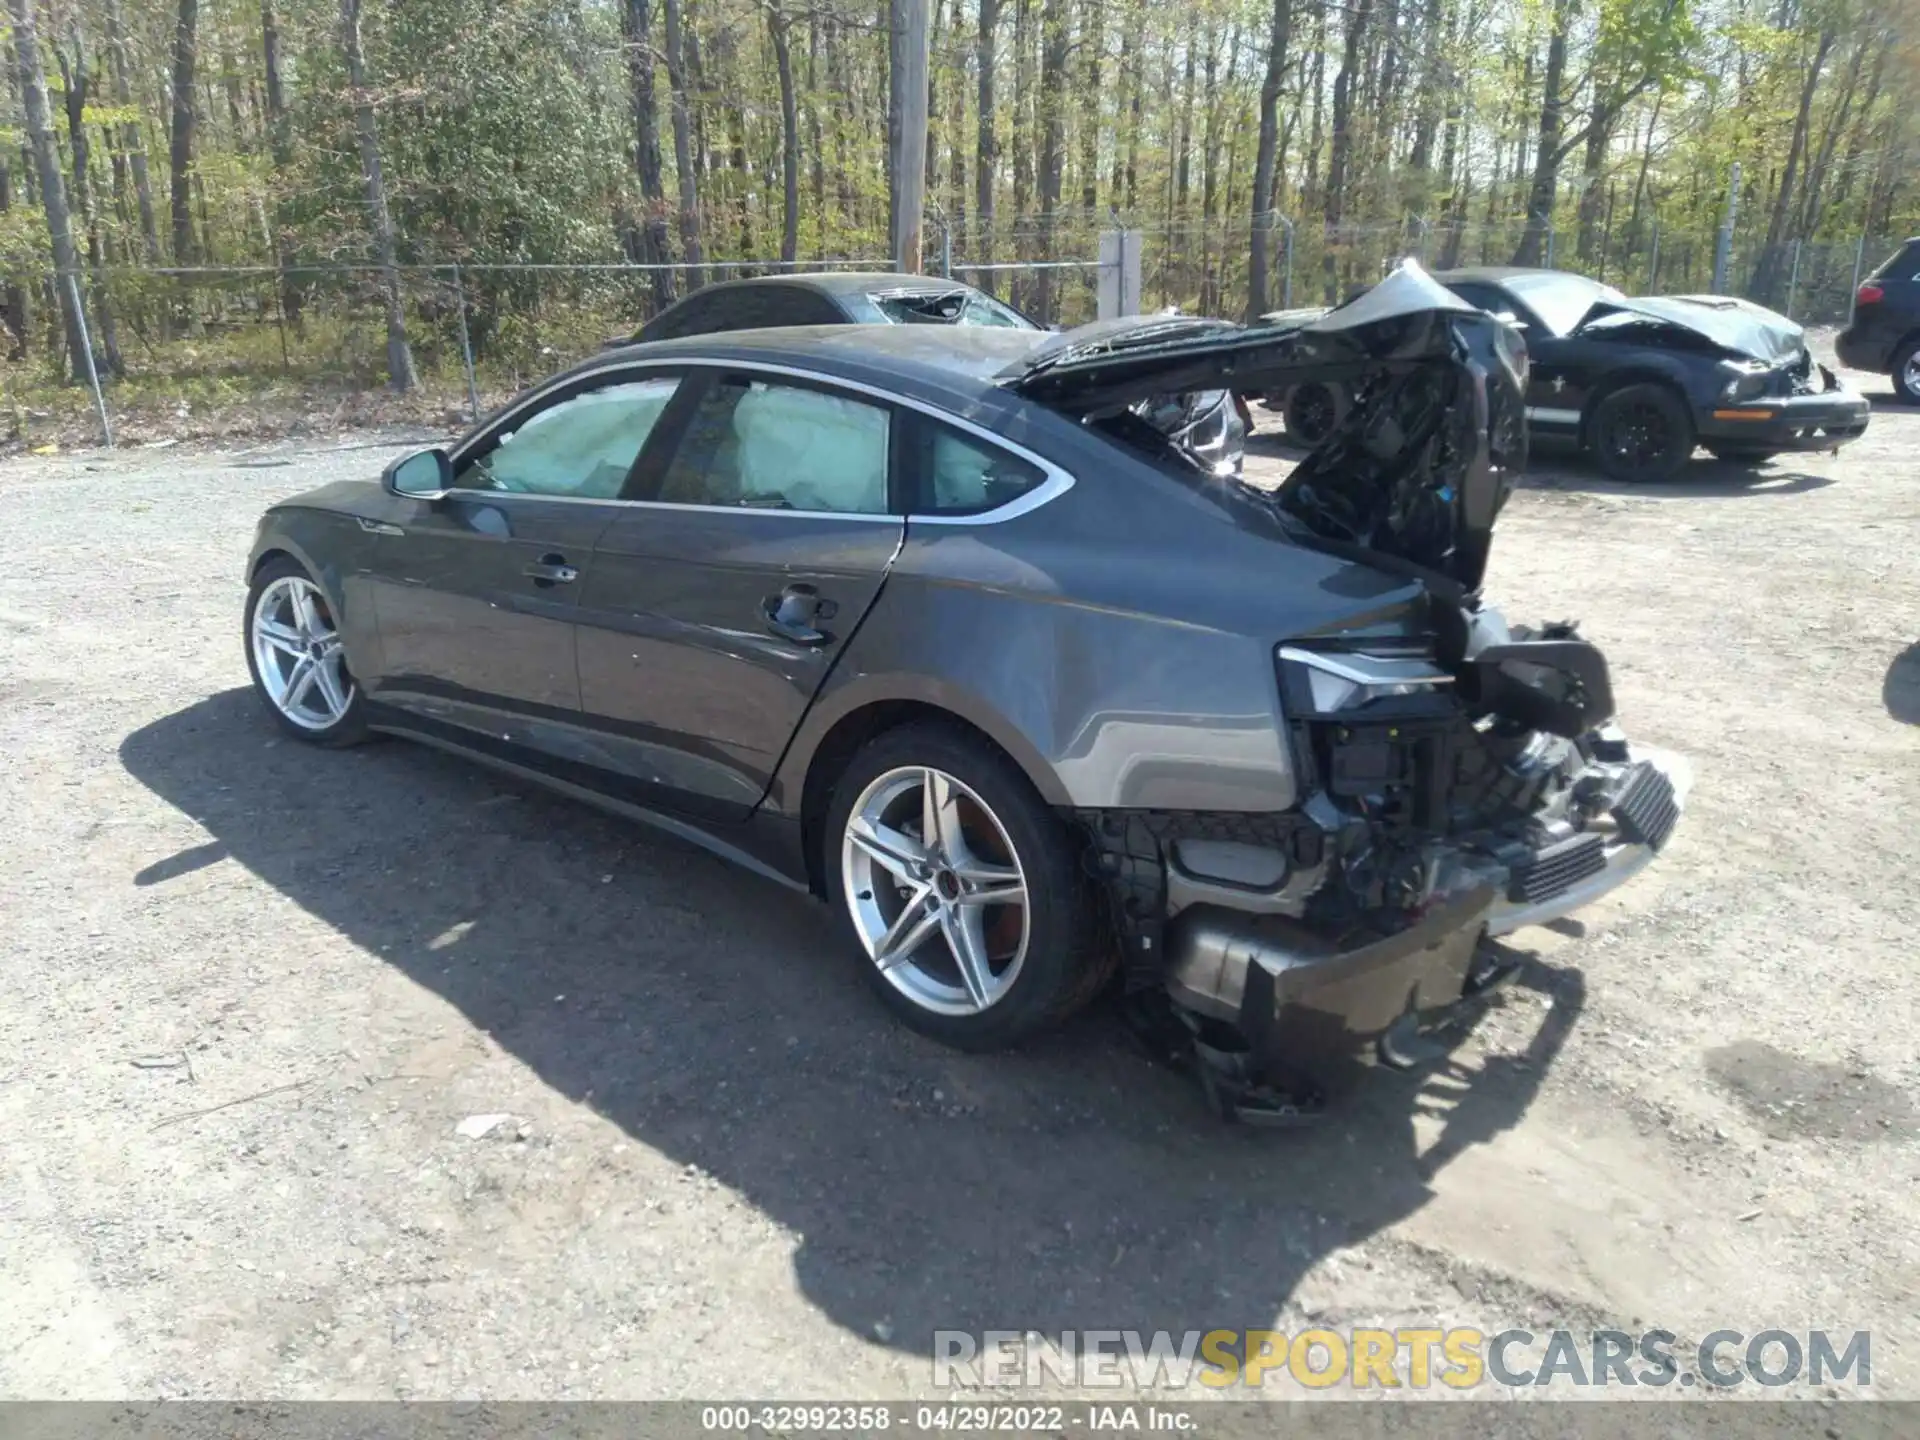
(1802, 422)
(1279, 1007)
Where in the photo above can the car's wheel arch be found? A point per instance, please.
(841, 725)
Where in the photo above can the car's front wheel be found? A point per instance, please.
(961, 890)
(1642, 433)
(297, 657)
(1906, 372)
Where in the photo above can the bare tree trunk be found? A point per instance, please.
(1053, 140)
(777, 29)
(816, 142)
(957, 124)
(79, 86)
(1095, 44)
(987, 151)
(650, 243)
(1266, 157)
(130, 131)
(53, 191)
(1342, 146)
(1766, 272)
(1811, 208)
(180, 155)
(683, 146)
(400, 371)
(1546, 165)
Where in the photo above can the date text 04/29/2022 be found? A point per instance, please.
(964, 1417)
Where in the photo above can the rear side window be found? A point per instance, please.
(581, 447)
(765, 446)
(959, 475)
(1903, 264)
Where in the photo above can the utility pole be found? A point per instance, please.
(908, 60)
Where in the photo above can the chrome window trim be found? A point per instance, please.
(1057, 483)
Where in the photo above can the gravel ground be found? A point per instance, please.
(255, 989)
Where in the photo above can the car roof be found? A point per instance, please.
(957, 363)
(844, 282)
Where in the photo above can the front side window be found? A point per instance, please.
(959, 475)
(767, 446)
(581, 447)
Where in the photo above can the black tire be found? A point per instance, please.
(1906, 372)
(1741, 454)
(1312, 411)
(1642, 433)
(1068, 955)
(351, 727)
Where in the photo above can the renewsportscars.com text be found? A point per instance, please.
(1457, 1359)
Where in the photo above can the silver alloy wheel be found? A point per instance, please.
(1910, 374)
(298, 654)
(936, 890)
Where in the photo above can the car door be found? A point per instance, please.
(476, 595)
(1557, 382)
(717, 603)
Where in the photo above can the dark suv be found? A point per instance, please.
(1884, 335)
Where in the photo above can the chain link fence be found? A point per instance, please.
(273, 347)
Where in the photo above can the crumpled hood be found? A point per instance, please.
(1739, 326)
(1424, 460)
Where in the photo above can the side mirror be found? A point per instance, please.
(423, 475)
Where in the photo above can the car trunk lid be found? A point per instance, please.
(1421, 465)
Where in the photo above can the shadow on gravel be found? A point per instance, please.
(1701, 480)
(712, 1016)
(1901, 690)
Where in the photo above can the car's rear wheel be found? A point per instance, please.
(961, 890)
(298, 660)
(1906, 372)
(1741, 454)
(1642, 433)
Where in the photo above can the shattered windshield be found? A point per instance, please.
(959, 306)
(1561, 301)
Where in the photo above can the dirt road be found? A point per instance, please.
(725, 1173)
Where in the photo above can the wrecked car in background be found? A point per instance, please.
(1640, 383)
(952, 636)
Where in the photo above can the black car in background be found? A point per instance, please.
(830, 298)
(1884, 334)
(1639, 383)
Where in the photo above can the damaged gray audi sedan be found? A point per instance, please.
(933, 624)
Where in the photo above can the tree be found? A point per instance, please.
(32, 80)
(180, 153)
(1266, 156)
(683, 145)
(400, 371)
(649, 240)
(778, 27)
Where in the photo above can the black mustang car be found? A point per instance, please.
(1640, 382)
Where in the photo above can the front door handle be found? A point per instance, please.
(791, 615)
(552, 570)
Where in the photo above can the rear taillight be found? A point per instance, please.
(1869, 295)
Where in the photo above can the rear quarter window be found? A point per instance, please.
(1903, 264)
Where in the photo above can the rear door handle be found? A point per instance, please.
(551, 570)
(790, 615)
